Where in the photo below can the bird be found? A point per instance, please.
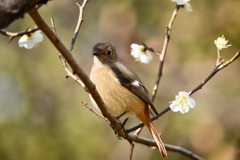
(121, 89)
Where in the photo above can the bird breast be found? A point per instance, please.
(117, 98)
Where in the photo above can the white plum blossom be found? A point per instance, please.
(182, 103)
(30, 40)
(221, 43)
(140, 53)
(184, 3)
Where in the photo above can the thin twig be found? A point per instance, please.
(214, 71)
(69, 73)
(53, 25)
(183, 151)
(150, 49)
(161, 59)
(16, 34)
(64, 63)
(80, 20)
(82, 75)
(163, 52)
(138, 131)
(97, 114)
(217, 68)
(152, 119)
(131, 149)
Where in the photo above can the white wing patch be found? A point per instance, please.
(117, 80)
(136, 83)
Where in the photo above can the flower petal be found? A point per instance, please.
(136, 53)
(221, 43)
(144, 59)
(23, 40)
(191, 103)
(29, 44)
(149, 55)
(37, 37)
(183, 93)
(188, 7)
(135, 46)
(182, 102)
(174, 107)
(179, 2)
(140, 53)
(184, 109)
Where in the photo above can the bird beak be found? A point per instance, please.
(95, 53)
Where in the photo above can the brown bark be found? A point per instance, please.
(11, 10)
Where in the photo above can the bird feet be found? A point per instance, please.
(122, 128)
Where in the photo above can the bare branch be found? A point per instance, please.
(161, 59)
(163, 53)
(131, 149)
(80, 20)
(16, 34)
(152, 143)
(97, 114)
(153, 118)
(183, 151)
(76, 68)
(217, 68)
(67, 57)
(11, 10)
(214, 71)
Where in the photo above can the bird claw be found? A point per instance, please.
(116, 130)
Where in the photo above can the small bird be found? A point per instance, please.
(121, 89)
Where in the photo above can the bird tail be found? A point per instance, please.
(145, 118)
(158, 140)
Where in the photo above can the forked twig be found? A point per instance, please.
(80, 20)
(217, 68)
(16, 34)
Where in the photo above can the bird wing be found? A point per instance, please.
(130, 80)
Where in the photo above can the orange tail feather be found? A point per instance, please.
(145, 118)
(158, 140)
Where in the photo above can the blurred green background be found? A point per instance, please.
(41, 115)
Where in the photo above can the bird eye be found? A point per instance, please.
(109, 53)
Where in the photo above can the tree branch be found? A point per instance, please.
(80, 20)
(152, 143)
(217, 68)
(163, 53)
(16, 34)
(214, 71)
(76, 68)
(97, 114)
(11, 10)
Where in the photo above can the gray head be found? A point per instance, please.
(105, 52)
